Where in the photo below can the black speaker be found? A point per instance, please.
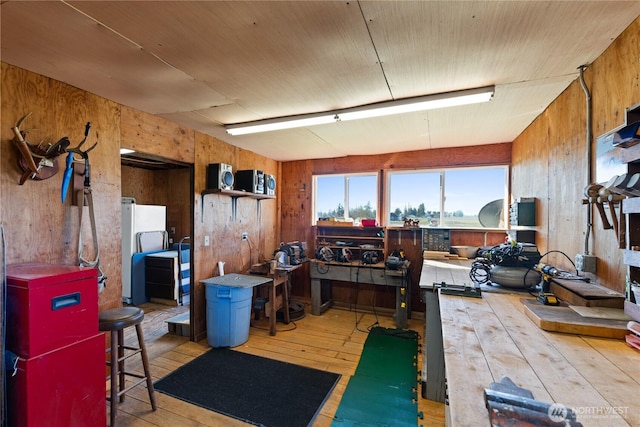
(251, 181)
(219, 176)
(269, 185)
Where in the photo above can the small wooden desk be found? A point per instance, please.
(280, 276)
(485, 339)
(374, 274)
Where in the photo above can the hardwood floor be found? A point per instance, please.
(331, 342)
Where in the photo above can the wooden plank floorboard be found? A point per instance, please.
(332, 342)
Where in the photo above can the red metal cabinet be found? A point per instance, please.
(52, 325)
(62, 388)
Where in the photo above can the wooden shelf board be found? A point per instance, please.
(237, 193)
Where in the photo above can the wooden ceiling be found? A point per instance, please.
(204, 64)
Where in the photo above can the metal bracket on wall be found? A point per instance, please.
(234, 194)
(234, 208)
(202, 194)
(234, 205)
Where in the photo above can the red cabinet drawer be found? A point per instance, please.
(62, 388)
(49, 306)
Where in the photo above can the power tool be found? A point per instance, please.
(547, 272)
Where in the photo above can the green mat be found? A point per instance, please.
(383, 390)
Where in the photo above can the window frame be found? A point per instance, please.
(442, 194)
(346, 177)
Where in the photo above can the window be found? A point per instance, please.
(449, 198)
(345, 196)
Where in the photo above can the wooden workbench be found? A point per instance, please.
(488, 338)
(374, 274)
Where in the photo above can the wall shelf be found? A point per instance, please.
(631, 210)
(357, 240)
(631, 258)
(234, 194)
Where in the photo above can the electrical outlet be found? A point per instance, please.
(206, 240)
(245, 235)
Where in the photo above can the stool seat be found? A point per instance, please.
(120, 318)
(115, 321)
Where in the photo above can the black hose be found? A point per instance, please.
(480, 270)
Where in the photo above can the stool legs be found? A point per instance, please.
(118, 372)
(114, 376)
(145, 365)
(121, 371)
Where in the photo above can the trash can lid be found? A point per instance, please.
(236, 280)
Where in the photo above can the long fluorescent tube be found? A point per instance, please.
(289, 122)
(420, 103)
(406, 105)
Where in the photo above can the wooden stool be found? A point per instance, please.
(116, 320)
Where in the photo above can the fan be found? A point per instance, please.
(490, 215)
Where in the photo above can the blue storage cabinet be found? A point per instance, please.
(229, 308)
(138, 277)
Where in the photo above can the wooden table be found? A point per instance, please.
(375, 274)
(488, 338)
(280, 276)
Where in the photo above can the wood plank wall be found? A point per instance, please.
(297, 210)
(39, 228)
(550, 158)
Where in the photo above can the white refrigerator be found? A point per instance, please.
(150, 220)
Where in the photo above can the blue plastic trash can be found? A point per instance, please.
(229, 308)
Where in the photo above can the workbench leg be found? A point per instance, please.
(285, 300)
(433, 369)
(401, 309)
(316, 297)
(273, 309)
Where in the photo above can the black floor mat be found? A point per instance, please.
(253, 389)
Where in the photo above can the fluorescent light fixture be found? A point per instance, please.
(279, 123)
(400, 106)
(420, 103)
(126, 151)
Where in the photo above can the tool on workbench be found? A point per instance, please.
(510, 405)
(547, 272)
(396, 260)
(460, 290)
